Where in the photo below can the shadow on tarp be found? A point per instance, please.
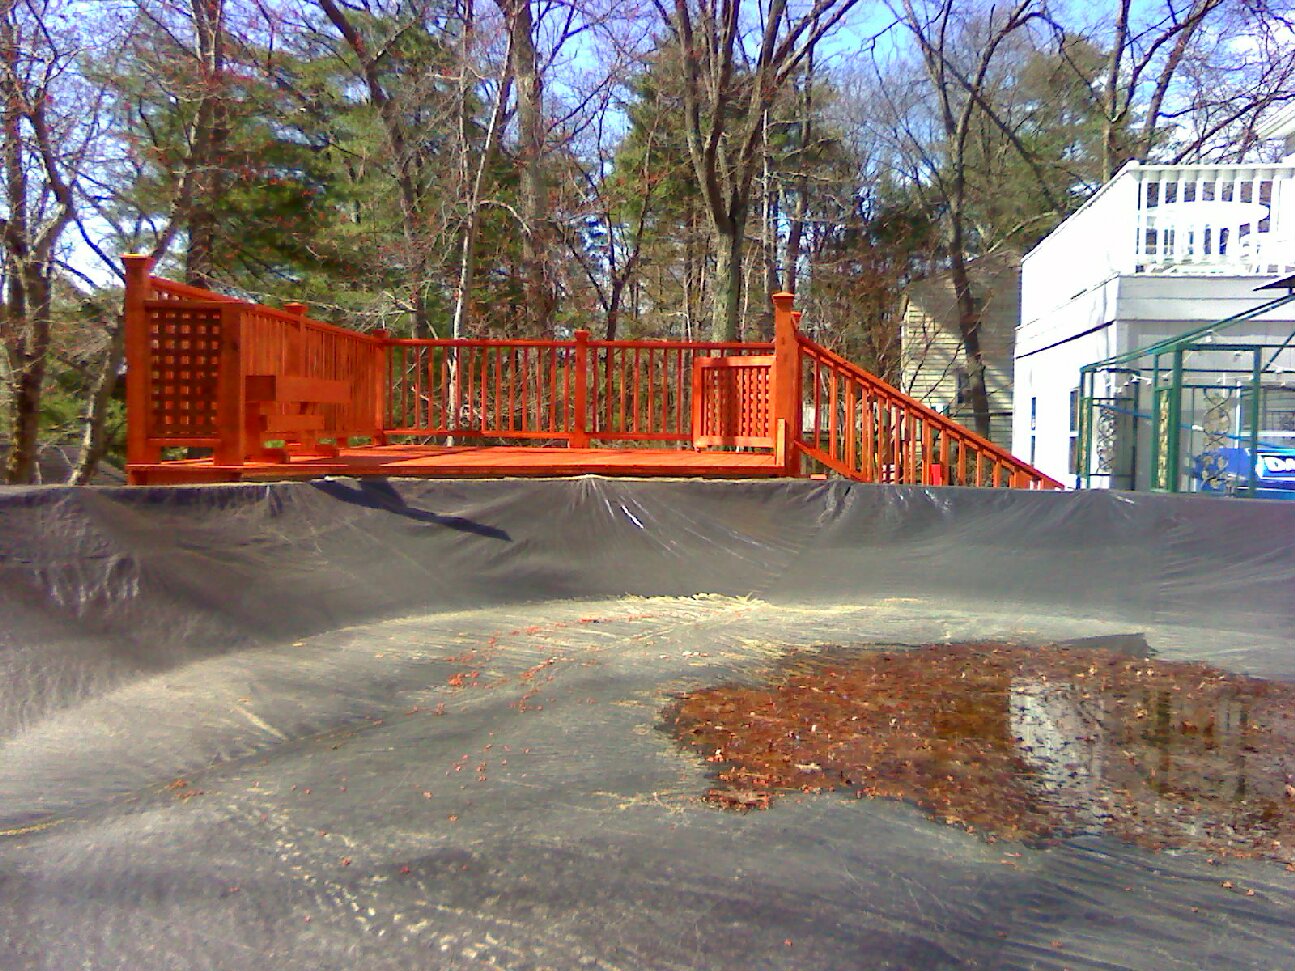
(379, 493)
(256, 642)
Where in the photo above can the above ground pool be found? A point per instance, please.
(584, 723)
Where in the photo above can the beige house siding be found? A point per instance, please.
(932, 355)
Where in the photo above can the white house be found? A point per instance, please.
(1157, 251)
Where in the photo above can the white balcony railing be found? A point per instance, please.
(1185, 219)
(1215, 218)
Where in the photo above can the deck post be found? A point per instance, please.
(138, 363)
(579, 435)
(786, 382)
(231, 390)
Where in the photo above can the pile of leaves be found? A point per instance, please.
(1024, 743)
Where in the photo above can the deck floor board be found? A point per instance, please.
(483, 461)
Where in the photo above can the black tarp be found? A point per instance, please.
(417, 724)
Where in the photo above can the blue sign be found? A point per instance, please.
(1275, 465)
(1228, 470)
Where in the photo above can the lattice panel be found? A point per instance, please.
(733, 401)
(184, 373)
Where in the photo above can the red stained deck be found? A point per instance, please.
(270, 394)
(474, 461)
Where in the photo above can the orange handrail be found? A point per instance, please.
(873, 432)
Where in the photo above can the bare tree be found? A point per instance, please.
(411, 161)
(525, 69)
(607, 239)
(49, 122)
(475, 159)
(1187, 79)
(199, 38)
(728, 91)
(209, 133)
(961, 92)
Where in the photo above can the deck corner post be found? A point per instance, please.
(786, 382)
(578, 437)
(231, 390)
(137, 267)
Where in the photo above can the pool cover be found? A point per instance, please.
(417, 725)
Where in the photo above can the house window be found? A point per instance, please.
(962, 379)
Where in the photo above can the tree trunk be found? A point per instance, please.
(94, 436)
(29, 315)
(805, 133)
(212, 133)
(24, 421)
(474, 178)
(770, 254)
(26, 336)
(614, 299)
(795, 233)
(1112, 157)
(192, 211)
(969, 328)
(726, 297)
(532, 185)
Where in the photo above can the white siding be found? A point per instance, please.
(933, 349)
(1123, 314)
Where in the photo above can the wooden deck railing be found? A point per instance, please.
(247, 381)
(209, 371)
(863, 428)
(576, 391)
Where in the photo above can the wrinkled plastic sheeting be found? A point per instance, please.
(409, 724)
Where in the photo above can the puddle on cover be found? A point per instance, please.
(1015, 742)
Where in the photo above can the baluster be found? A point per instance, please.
(623, 358)
(832, 417)
(679, 391)
(514, 401)
(485, 386)
(579, 435)
(636, 389)
(665, 393)
(417, 353)
(553, 392)
(926, 452)
(867, 433)
(897, 441)
(910, 447)
(443, 392)
(496, 421)
(818, 405)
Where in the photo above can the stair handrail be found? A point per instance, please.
(1021, 470)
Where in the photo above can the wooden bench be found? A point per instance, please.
(287, 408)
